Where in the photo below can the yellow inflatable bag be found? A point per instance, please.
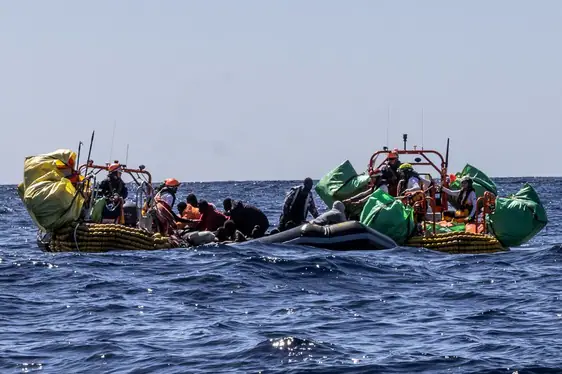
(48, 195)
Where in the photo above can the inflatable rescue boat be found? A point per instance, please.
(350, 235)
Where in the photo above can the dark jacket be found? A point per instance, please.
(246, 216)
(109, 187)
(297, 205)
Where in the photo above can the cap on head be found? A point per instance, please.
(308, 182)
(171, 182)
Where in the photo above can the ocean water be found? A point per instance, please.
(280, 309)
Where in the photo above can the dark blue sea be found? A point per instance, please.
(280, 309)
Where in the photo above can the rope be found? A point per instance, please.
(75, 239)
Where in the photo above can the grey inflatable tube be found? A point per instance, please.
(350, 235)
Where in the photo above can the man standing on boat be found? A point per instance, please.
(114, 192)
(298, 203)
(390, 172)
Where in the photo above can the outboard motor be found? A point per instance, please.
(130, 214)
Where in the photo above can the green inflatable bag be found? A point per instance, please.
(341, 183)
(389, 216)
(518, 218)
(97, 210)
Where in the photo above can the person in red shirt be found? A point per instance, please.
(211, 219)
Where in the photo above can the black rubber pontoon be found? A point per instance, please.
(350, 235)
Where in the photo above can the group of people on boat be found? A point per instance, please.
(240, 221)
(403, 182)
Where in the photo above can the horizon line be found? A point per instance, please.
(314, 179)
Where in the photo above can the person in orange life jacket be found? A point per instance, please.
(115, 192)
(211, 219)
(466, 198)
(298, 203)
(191, 211)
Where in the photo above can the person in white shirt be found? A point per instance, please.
(466, 198)
(410, 181)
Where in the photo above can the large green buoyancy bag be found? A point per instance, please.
(389, 216)
(341, 183)
(481, 182)
(518, 218)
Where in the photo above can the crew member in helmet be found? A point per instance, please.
(114, 192)
(466, 198)
(164, 201)
(410, 181)
(113, 184)
(389, 170)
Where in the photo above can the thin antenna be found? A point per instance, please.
(127, 156)
(112, 138)
(422, 128)
(387, 125)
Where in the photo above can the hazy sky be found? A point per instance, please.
(223, 90)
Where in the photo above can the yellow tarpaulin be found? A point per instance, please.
(49, 197)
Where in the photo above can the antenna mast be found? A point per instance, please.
(422, 127)
(112, 138)
(387, 125)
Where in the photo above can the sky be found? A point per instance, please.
(250, 90)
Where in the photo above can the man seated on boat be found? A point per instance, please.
(181, 207)
(332, 216)
(298, 203)
(246, 216)
(211, 219)
(229, 234)
(257, 232)
(356, 203)
(466, 198)
(114, 192)
(189, 212)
